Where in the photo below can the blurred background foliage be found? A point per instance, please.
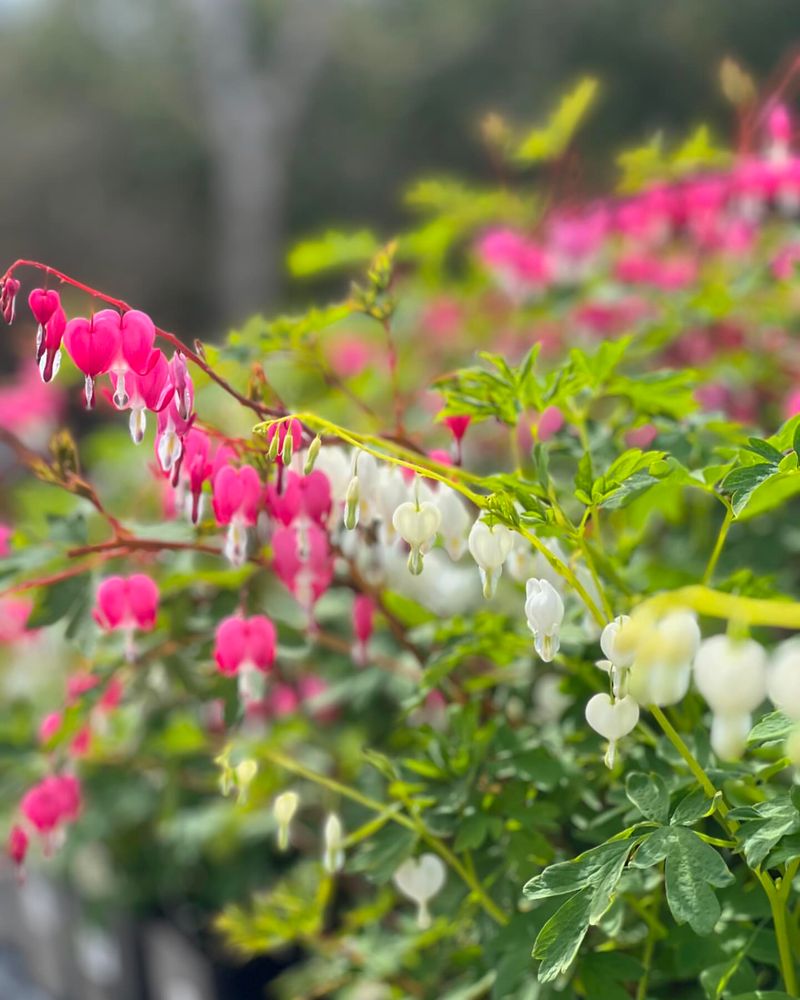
(169, 151)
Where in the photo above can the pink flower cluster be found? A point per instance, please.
(46, 808)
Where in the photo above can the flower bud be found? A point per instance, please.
(351, 504)
(311, 455)
(283, 809)
(274, 444)
(288, 448)
(332, 854)
(245, 772)
(544, 610)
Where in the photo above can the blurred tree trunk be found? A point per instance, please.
(253, 113)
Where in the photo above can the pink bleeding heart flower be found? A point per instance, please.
(363, 624)
(48, 345)
(184, 387)
(457, 425)
(236, 498)
(303, 562)
(127, 604)
(92, 346)
(53, 801)
(17, 846)
(152, 391)
(135, 334)
(8, 299)
(43, 303)
(81, 742)
(245, 643)
(303, 497)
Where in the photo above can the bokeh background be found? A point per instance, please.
(168, 151)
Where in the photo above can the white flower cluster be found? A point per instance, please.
(651, 661)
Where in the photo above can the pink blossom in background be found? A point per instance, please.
(791, 406)
(6, 531)
(126, 603)
(17, 846)
(519, 264)
(30, 409)
(245, 642)
(78, 685)
(349, 355)
(49, 726)
(14, 615)
(550, 422)
(443, 317)
(53, 801)
(641, 437)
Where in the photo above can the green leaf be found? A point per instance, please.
(649, 794)
(589, 869)
(558, 941)
(741, 483)
(691, 868)
(551, 141)
(67, 597)
(764, 825)
(692, 808)
(771, 728)
(331, 250)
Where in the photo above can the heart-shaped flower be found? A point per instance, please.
(420, 879)
(612, 719)
(489, 546)
(417, 524)
(544, 610)
(731, 675)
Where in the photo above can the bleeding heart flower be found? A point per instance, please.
(92, 347)
(490, 546)
(127, 604)
(612, 719)
(243, 643)
(417, 524)
(237, 493)
(420, 880)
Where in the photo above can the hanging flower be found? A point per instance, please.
(544, 610)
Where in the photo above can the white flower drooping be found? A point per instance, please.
(283, 809)
(612, 719)
(783, 687)
(544, 610)
(490, 546)
(663, 650)
(455, 522)
(732, 677)
(417, 524)
(332, 851)
(420, 879)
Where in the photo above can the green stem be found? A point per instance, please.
(409, 822)
(777, 904)
(718, 546)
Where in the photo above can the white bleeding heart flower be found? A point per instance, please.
(612, 719)
(420, 879)
(455, 522)
(283, 809)
(489, 546)
(729, 735)
(544, 610)
(731, 675)
(617, 650)
(783, 679)
(663, 652)
(417, 524)
(332, 851)
(393, 491)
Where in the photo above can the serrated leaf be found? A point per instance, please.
(649, 794)
(771, 728)
(691, 868)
